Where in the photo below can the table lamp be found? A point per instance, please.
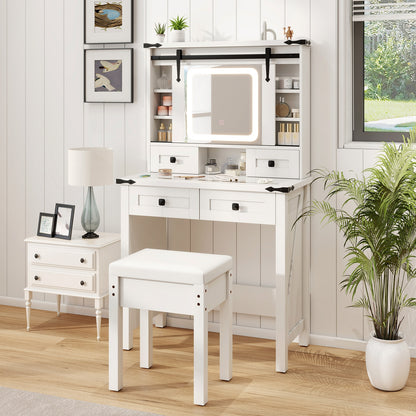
(90, 166)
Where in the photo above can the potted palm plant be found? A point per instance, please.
(378, 223)
(160, 29)
(177, 26)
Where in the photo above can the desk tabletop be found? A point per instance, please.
(243, 184)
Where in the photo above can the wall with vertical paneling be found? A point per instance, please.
(42, 114)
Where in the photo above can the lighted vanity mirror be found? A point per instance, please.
(222, 104)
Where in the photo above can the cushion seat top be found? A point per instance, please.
(172, 266)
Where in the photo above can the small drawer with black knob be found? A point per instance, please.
(279, 163)
(52, 255)
(166, 202)
(233, 206)
(60, 279)
(181, 159)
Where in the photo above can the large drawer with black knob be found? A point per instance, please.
(270, 163)
(52, 255)
(166, 202)
(181, 159)
(248, 207)
(51, 278)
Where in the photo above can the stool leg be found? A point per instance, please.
(201, 354)
(226, 334)
(115, 332)
(128, 326)
(146, 338)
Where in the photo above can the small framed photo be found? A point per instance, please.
(46, 224)
(64, 220)
(108, 21)
(108, 75)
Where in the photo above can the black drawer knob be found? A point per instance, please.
(36, 277)
(172, 159)
(162, 202)
(82, 283)
(235, 206)
(36, 256)
(82, 260)
(271, 164)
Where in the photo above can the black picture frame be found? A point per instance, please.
(64, 221)
(116, 84)
(95, 32)
(46, 225)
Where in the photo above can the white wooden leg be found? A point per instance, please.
(226, 334)
(160, 320)
(58, 305)
(28, 303)
(146, 338)
(128, 328)
(98, 308)
(201, 353)
(115, 358)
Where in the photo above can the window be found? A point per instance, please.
(384, 73)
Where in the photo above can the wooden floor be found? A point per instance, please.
(61, 357)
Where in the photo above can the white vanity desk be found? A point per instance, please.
(149, 202)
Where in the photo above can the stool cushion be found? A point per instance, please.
(172, 266)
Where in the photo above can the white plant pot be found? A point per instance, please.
(177, 36)
(160, 38)
(388, 363)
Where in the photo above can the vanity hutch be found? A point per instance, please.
(246, 105)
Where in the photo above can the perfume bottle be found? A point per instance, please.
(282, 108)
(163, 81)
(161, 134)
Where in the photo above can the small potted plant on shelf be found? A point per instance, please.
(378, 222)
(177, 26)
(160, 29)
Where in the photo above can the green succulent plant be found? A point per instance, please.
(178, 23)
(377, 219)
(160, 28)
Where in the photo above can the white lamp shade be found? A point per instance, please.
(90, 166)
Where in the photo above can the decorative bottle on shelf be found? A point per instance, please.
(242, 163)
(169, 133)
(282, 108)
(163, 81)
(161, 134)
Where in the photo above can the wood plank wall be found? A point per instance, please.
(42, 114)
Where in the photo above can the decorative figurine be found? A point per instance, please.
(288, 33)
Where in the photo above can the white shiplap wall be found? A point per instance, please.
(42, 114)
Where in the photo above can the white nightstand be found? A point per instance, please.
(76, 267)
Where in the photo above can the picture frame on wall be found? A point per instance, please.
(64, 220)
(108, 75)
(46, 225)
(108, 21)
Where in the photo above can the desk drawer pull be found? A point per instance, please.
(82, 283)
(82, 260)
(37, 278)
(271, 164)
(235, 206)
(162, 202)
(172, 159)
(36, 256)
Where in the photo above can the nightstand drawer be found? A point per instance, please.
(164, 202)
(39, 277)
(43, 254)
(248, 207)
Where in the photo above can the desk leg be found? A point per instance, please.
(282, 275)
(58, 305)
(115, 357)
(226, 333)
(98, 308)
(28, 303)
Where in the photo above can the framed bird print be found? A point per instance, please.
(108, 21)
(108, 75)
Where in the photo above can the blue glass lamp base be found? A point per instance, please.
(90, 218)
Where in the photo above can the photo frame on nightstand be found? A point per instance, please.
(64, 221)
(46, 225)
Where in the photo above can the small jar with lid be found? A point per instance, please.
(211, 167)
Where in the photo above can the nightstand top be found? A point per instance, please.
(103, 240)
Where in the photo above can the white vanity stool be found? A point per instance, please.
(177, 282)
